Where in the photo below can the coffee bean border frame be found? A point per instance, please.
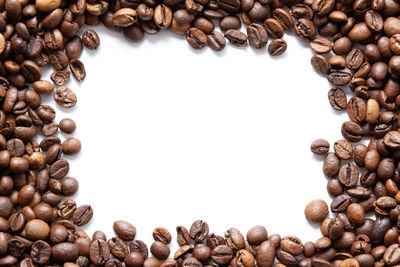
(356, 44)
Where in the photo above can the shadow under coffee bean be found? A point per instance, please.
(39, 226)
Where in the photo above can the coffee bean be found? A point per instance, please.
(82, 215)
(339, 77)
(337, 98)
(99, 252)
(118, 248)
(222, 254)
(283, 17)
(90, 39)
(352, 131)
(196, 38)
(40, 252)
(320, 146)
(124, 17)
(320, 63)
(277, 47)
(162, 16)
(321, 45)
(237, 38)
(216, 41)
(160, 250)
(348, 175)
(257, 35)
(77, 69)
(274, 28)
(59, 169)
(60, 77)
(183, 237)
(234, 239)
(316, 210)
(257, 235)
(65, 97)
(161, 234)
(304, 29)
(199, 230)
(139, 246)
(71, 146)
(124, 230)
(340, 203)
(343, 149)
(331, 164)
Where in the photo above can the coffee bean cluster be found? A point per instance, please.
(356, 45)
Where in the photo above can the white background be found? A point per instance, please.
(171, 135)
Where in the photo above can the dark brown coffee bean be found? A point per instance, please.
(320, 63)
(340, 203)
(348, 175)
(59, 169)
(196, 38)
(237, 38)
(222, 254)
(274, 28)
(337, 98)
(82, 215)
(216, 41)
(357, 109)
(60, 77)
(90, 39)
(283, 17)
(304, 29)
(257, 35)
(373, 20)
(199, 230)
(339, 77)
(77, 69)
(277, 47)
(118, 248)
(343, 149)
(40, 252)
(354, 59)
(320, 146)
(139, 246)
(65, 97)
(183, 236)
(161, 234)
(99, 252)
(331, 164)
(124, 230)
(322, 7)
(160, 250)
(321, 45)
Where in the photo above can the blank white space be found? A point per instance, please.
(171, 135)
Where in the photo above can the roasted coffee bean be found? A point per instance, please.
(160, 250)
(316, 210)
(222, 254)
(320, 146)
(337, 98)
(99, 252)
(199, 230)
(339, 77)
(340, 203)
(183, 237)
(161, 234)
(304, 29)
(196, 38)
(320, 63)
(283, 17)
(139, 246)
(352, 131)
(257, 35)
(90, 39)
(236, 37)
(357, 109)
(321, 45)
(65, 97)
(216, 41)
(331, 164)
(77, 69)
(274, 28)
(82, 215)
(277, 47)
(124, 230)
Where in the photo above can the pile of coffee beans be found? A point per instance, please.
(356, 45)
